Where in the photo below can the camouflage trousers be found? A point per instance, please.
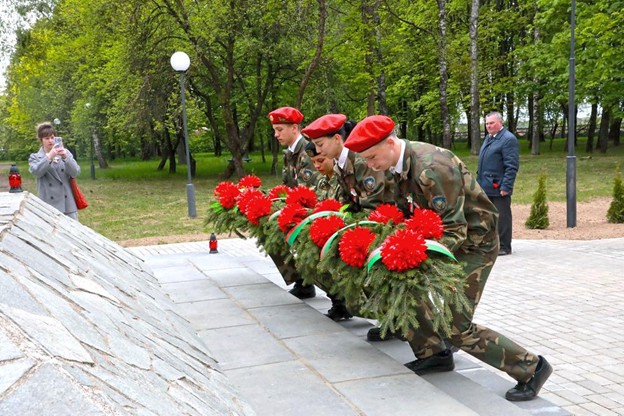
(286, 268)
(482, 343)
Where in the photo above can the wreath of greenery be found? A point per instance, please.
(395, 297)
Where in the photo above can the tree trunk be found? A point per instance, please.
(536, 114)
(381, 78)
(97, 148)
(591, 129)
(442, 47)
(474, 125)
(603, 136)
(317, 56)
(614, 131)
(209, 112)
(536, 127)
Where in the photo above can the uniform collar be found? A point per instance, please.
(398, 169)
(342, 159)
(293, 146)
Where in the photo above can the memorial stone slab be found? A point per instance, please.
(86, 329)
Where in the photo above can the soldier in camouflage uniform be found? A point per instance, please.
(298, 170)
(327, 184)
(326, 187)
(359, 186)
(430, 177)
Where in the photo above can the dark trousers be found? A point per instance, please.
(503, 205)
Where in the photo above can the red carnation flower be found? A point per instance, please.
(247, 198)
(280, 191)
(403, 250)
(385, 213)
(327, 205)
(290, 216)
(301, 195)
(226, 193)
(259, 206)
(323, 228)
(427, 222)
(249, 181)
(354, 246)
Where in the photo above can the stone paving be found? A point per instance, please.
(560, 299)
(85, 328)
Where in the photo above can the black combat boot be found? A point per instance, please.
(529, 390)
(302, 291)
(338, 310)
(437, 363)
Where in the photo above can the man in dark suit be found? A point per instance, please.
(498, 166)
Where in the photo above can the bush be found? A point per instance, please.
(615, 214)
(538, 220)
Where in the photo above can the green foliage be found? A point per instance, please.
(397, 298)
(248, 57)
(226, 221)
(347, 280)
(615, 214)
(307, 257)
(538, 219)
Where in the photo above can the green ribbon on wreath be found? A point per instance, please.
(375, 255)
(331, 239)
(292, 234)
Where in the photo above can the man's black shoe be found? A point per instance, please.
(528, 391)
(437, 363)
(302, 291)
(374, 334)
(338, 311)
(504, 252)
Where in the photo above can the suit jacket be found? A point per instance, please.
(53, 180)
(498, 163)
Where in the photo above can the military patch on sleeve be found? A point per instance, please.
(369, 183)
(438, 203)
(306, 175)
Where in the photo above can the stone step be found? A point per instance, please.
(287, 358)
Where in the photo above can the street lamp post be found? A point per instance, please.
(88, 105)
(571, 159)
(180, 62)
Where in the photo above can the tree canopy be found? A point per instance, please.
(102, 69)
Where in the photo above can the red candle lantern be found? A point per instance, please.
(15, 179)
(213, 244)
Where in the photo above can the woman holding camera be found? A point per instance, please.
(54, 166)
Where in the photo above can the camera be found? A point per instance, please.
(58, 142)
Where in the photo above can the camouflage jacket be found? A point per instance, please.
(435, 178)
(327, 187)
(298, 168)
(361, 187)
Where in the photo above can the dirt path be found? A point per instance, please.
(591, 224)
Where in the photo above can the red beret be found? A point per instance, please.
(324, 126)
(369, 132)
(286, 115)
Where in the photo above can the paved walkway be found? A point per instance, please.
(560, 299)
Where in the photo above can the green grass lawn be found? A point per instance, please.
(133, 200)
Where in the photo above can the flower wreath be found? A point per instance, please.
(384, 266)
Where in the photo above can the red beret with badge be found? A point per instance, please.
(285, 115)
(369, 132)
(326, 125)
